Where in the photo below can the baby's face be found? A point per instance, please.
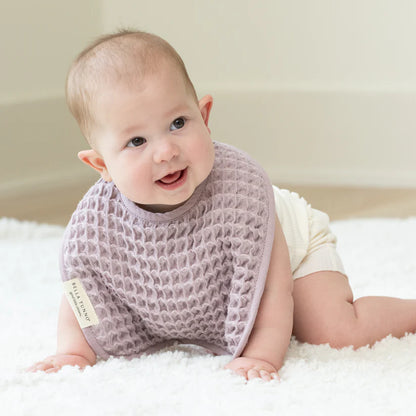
(154, 140)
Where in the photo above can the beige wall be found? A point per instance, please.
(38, 139)
(38, 40)
(319, 92)
(323, 44)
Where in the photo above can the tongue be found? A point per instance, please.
(171, 178)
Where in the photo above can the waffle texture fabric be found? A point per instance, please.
(193, 275)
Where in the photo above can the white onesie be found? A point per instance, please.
(311, 244)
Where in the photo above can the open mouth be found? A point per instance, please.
(173, 180)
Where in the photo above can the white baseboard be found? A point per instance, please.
(285, 175)
(47, 182)
(339, 137)
(338, 177)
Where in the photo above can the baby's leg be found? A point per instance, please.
(325, 313)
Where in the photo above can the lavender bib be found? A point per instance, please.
(193, 275)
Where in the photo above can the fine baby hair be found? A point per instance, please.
(126, 55)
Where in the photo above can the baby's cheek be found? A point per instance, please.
(134, 186)
(207, 157)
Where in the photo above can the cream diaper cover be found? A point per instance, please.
(311, 244)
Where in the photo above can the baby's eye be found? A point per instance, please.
(136, 142)
(177, 124)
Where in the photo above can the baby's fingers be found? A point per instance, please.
(46, 365)
(35, 367)
(265, 375)
(241, 372)
(256, 373)
(253, 373)
(53, 370)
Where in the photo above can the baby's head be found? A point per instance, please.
(124, 57)
(132, 97)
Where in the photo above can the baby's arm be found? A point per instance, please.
(72, 348)
(270, 337)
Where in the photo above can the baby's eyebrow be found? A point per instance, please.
(132, 130)
(180, 108)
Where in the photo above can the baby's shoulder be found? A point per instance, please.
(92, 210)
(98, 196)
(230, 159)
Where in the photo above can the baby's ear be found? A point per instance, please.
(91, 158)
(205, 105)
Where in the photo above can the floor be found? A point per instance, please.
(56, 206)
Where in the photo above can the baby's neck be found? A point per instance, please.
(160, 208)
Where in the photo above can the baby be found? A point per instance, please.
(184, 239)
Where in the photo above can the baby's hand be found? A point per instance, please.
(54, 363)
(251, 368)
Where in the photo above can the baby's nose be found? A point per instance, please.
(165, 150)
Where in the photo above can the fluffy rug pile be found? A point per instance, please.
(380, 258)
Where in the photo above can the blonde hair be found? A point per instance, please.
(127, 56)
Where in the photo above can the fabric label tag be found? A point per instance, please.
(80, 303)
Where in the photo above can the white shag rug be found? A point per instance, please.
(380, 258)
